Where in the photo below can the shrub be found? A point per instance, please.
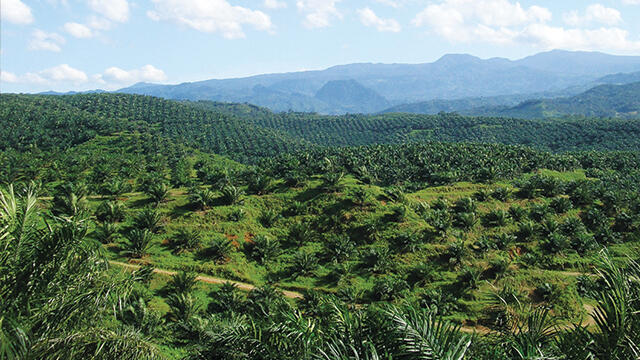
(517, 212)
(237, 215)
(395, 194)
(304, 263)
(502, 241)
(497, 268)
(526, 230)
(259, 184)
(110, 211)
(377, 259)
(218, 249)
(623, 223)
(106, 232)
(548, 227)
(594, 219)
(482, 195)
(137, 243)
(561, 205)
(332, 181)
(465, 205)
(407, 242)
(182, 283)
(262, 248)
(456, 253)
(339, 248)
(572, 226)
(440, 220)
(555, 243)
(202, 198)
(440, 204)
(269, 217)
(300, 234)
(158, 192)
(186, 240)
(148, 219)
(388, 288)
(360, 197)
(182, 307)
(465, 221)
(583, 243)
(537, 212)
(496, 218)
(501, 194)
(231, 195)
(470, 278)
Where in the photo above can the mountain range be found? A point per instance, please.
(455, 82)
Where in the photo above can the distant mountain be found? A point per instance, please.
(580, 63)
(97, 91)
(619, 101)
(350, 96)
(620, 78)
(378, 86)
(465, 105)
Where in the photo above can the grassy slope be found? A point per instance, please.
(560, 272)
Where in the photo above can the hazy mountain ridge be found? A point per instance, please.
(452, 77)
(621, 101)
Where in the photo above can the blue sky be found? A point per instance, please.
(87, 44)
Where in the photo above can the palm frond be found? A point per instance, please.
(423, 335)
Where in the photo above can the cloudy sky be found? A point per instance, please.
(87, 44)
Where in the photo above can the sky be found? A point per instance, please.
(65, 45)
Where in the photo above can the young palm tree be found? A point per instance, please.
(138, 243)
(149, 219)
(232, 195)
(158, 192)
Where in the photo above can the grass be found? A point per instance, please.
(218, 222)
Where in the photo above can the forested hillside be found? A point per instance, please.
(601, 101)
(139, 228)
(350, 130)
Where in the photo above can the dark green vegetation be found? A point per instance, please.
(577, 134)
(395, 249)
(605, 101)
(613, 101)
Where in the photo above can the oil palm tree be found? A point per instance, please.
(57, 299)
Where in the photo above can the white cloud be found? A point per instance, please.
(15, 11)
(550, 37)
(275, 4)
(66, 77)
(64, 72)
(318, 12)
(392, 3)
(631, 2)
(41, 40)
(369, 18)
(507, 22)
(464, 20)
(213, 16)
(595, 13)
(114, 10)
(78, 30)
(8, 77)
(146, 73)
(98, 23)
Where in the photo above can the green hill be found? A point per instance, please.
(128, 231)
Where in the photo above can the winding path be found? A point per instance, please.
(207, 279)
